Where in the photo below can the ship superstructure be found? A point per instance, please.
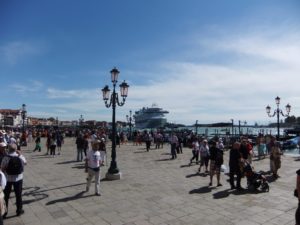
(153, 117)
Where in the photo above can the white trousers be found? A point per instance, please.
(97, 175)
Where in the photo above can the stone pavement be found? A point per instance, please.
(153, 191)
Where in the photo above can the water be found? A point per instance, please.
(289, 152)
(211, 131)
(292, 152)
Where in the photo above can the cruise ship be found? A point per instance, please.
(153, 117)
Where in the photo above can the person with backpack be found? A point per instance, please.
(13, 166)
(216, 161)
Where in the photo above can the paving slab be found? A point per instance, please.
(154, 190)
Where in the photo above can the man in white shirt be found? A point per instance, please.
(14, 175)
(92, 167)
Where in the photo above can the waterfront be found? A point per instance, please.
(153, 191)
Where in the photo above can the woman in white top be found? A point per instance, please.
(92, 167)
(204, 155)
(195, 150)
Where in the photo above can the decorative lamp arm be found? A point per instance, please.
(275, 112)
(117, 100)
(110, 102)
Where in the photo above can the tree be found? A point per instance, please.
(290, 119)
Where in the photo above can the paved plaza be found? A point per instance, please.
(154, 190)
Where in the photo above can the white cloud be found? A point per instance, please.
(53, 93)
(238, 88)
(15, 51)
(30, 87)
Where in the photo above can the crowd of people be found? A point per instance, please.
(91, 148)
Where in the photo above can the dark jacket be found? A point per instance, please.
(234, 159)
(80, 142)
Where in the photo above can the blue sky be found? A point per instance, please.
(209, 61)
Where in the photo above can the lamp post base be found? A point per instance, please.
(113, 176)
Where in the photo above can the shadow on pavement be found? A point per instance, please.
(222, 194)
(165, 154)
(67, 162)
(35, 193)
(38, 189)
(40, 156)
(71, 198)
(182, 166)
(159, 160)
(140, 151)
(227, 192)
(202, 190)
(196, 175)
(81, 166)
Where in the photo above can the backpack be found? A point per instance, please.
(15, 166)
(219, 158)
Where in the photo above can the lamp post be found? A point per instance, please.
(23, 114)
(81, 121)
(232, 125)
(277, 112)
(196, 124)
(130, 120)
(112, 101)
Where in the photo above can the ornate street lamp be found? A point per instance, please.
(112, 101)
(277, 112)
(23, 114)
(130, 120)
(81, 121)
(196, 125)
(232, 126)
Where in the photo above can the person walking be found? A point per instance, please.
(48, 143)
(53, 145)
(92, 167)
(195, 150)
(80, 146)
(13, 166)
(174, 142)
(86, 143)
(275, 159)
(216, 160)
(204, 155)
(148, 140)
(59, 142)
(234, 166)
(37, 144)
